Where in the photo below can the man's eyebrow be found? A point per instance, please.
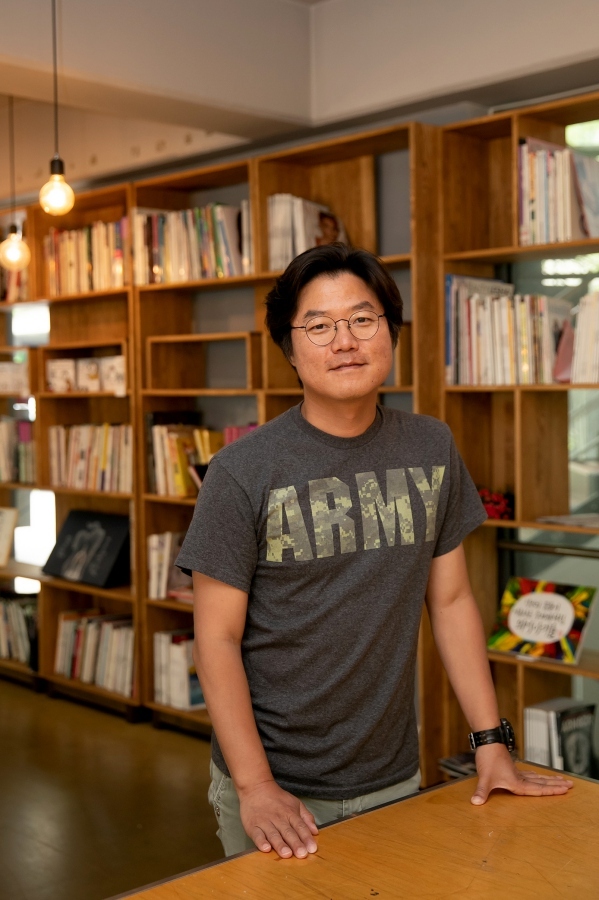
(312, 313)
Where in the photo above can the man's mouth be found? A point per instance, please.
(348, 365)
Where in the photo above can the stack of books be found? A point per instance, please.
(559, 733)
(96, 649)
(18, 628)
(558, 192)
(89, 375)
(92, 258)
(17, 451)
(92, 457)
(164, 578)
(493, 337)
(176, 683)
(296, 225)
(179, 453)
(174, 246)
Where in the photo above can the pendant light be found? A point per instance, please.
(56, 196)
(14, 252)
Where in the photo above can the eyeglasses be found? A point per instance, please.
(321, 330)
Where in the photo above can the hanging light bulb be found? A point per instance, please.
(56, 196)
(14, 252)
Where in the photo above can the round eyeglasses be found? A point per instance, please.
(321, 330)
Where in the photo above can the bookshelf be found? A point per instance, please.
(84, 324)
(512, 437)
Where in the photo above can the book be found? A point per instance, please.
(96, 648)
(157, 479)
(19, 627)
(542, 620)
(550, 204)
(113, 375)
(17, 451)
(459, 764)
(88, 375)
(14, 379)
(92, 258)
(296, 225)
(582, 520)
(8, 521)
(176, 683)
(164, 578)
(91, 457)
(61, 376)
(92, 548)
(559, 733)
(175, 246)
(587, 191)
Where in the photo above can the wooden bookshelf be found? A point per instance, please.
(94, 323)
(512, 437)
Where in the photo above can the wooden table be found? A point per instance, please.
(433, 845)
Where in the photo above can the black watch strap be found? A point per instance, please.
(502, 735)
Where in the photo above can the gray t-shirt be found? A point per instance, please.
(333, 539)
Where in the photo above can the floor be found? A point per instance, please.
(91, 806)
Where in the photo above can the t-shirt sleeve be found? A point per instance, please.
(464, 511)
(221, 541)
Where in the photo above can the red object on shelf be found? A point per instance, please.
(498, 504)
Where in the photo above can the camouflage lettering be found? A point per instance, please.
(324, 517)
(430, 495)
(297, 538)
(374, 507)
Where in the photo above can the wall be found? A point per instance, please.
(375, 54)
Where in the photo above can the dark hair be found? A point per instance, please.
(331, 260)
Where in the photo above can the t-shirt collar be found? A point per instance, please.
(333, 440)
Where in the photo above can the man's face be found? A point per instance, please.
(347, 368)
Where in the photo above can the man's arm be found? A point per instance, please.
(458, 632)
(273, 818)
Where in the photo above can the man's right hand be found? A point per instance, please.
(276, 820)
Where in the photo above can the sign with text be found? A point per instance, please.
(540, 619)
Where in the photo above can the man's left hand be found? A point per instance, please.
(496, 769)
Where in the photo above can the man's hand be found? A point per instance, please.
(276, 820)
(496, 769)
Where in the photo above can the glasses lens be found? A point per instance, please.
(321, 330)
(364, 324)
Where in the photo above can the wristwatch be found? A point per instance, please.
(502, 735)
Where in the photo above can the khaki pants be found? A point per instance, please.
(225, 802)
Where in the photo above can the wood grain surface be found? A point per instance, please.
(434, 845)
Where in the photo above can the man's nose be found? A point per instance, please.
(344, 339)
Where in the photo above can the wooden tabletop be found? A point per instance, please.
(433, 845)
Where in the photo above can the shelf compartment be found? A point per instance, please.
(543, 477)
(479, 202)
(182, 362)
(277, 371)
(76, 350)
(484, 427)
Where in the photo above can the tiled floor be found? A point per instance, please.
(91, 806)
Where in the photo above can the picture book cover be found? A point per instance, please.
(542, 620)
(92, 547)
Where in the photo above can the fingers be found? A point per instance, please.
(259, 839)
(545, 779)
(290, 838)
(536, 789)
(308, 819)
(481, 793)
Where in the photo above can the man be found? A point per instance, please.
(314, 543)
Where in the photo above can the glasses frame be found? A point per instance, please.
(335, 321)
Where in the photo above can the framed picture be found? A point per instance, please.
(8, 522)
